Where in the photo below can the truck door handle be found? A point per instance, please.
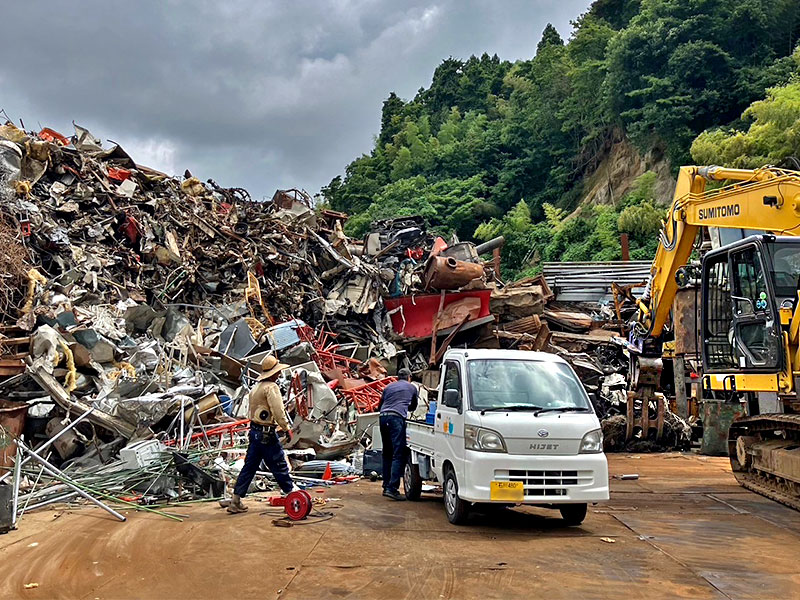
(438, 415)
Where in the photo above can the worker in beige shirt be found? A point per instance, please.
(266, 414)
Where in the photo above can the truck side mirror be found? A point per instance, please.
(452, 399)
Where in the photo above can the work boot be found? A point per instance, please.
(394, 495)
(236, 505)
(225, 502)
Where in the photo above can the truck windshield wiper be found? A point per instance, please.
(561, 409)
(511, 407)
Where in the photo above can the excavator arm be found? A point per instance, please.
(766, 199)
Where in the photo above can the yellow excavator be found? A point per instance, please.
(750, 313)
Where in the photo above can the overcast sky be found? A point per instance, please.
(254, 94)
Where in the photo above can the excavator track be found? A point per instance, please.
(764, 451)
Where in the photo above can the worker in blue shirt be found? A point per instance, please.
(398, 399)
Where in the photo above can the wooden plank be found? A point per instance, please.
(14, 356)
(542, 338)
(570, 320)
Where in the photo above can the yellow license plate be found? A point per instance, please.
(507, 491)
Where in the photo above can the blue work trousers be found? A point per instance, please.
(263, 446)
(395, 451)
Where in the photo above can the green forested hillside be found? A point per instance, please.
(493, 147)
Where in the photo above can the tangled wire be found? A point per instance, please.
(14, 267)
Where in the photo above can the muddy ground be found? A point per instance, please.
(683, 530)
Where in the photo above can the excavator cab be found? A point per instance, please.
(749, 291)
(745, 286)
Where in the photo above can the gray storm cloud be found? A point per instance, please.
(261, 95)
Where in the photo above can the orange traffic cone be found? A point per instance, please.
(328, 472)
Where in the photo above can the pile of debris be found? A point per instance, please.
(136, 308)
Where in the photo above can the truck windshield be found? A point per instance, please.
(498, 383)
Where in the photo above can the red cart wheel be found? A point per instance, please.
(298, 505)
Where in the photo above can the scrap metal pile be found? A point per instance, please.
(135, 310)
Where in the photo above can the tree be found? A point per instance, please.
(391, 118)
(679, 67)
(550, 37)
(443, 92)
(773, 133)
(516, 227)
(617, 13)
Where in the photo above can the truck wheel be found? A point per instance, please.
(412, 482)
(573, 514)
(455, 508)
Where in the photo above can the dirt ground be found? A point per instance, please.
(683, 530)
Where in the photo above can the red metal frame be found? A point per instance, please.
(325, 351)
(367, 397)
(225, 429)
(328, 361)
(319, 340)
(302, 396)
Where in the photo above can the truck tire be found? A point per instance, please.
(573, 514)
(455, 508)
(412, 482)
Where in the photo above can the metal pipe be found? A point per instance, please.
(51, 501)
(35, 483)
(183, 418)
(17, 469)
(490, 245)
(42, 493)
(51, 470)
(49, 442)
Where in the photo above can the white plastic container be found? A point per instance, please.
(142, 453)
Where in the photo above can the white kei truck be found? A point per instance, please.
(510, 428)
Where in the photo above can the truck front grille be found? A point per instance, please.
(546, 483)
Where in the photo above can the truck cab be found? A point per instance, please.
(510, 427)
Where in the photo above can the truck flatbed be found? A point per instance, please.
(420, 437)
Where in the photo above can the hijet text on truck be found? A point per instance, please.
(510, 427)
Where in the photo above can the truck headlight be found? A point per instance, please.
(483, 440)
(592, 442)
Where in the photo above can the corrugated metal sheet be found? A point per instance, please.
(591, 281)
(284, 334)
